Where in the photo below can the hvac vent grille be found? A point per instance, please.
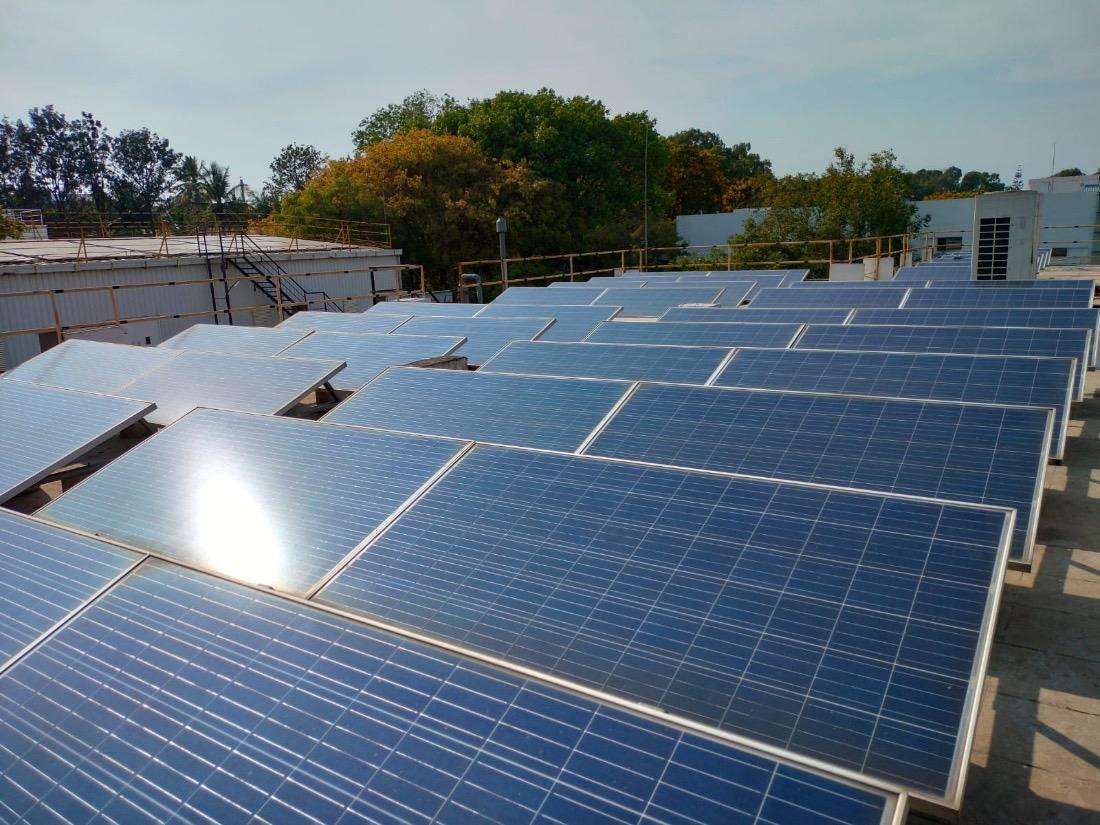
(992, 263)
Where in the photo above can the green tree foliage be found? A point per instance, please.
(419, 110)
(292, 167)
(141, 170)
(1072, 172)
(981, 182)
(925, 182)
(10, 227)
(695, 179)
(738, 161)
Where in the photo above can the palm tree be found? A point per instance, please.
(190, 175)
(216, 186)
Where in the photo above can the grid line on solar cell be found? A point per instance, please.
(43, 428)
(984, 454)
(652, 301)
(45, 574)
(832, 623)
(529, 411)
(571, 323)
(624, 362)
(987, 379)
(235, 340)
(91, 366)
(485, 337)
(368, 355)
(988, 297)
(245, 383)
(695, 334)
(276, 501)
(1059, 343)
(824, 297)
(330, 720)
(748, 315)
(425, 309)
(352, 322)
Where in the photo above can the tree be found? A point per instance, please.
(417, 111)
(981, 182)
(217, 187)
(291, 168)
(738, 161)
(695, 178)
(141, 170)
(1072, 172)
(925, 182)
(1017, 180)
(91, 151)
(189, 176)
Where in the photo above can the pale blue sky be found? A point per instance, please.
(984, 84)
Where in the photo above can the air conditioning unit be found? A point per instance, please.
(1006, 236)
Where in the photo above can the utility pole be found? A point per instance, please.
(502, 236)
(645, 198)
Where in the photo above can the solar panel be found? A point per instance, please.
(1059, 343)
(986, 317)
(755, 283)
(532, 295)
(93, 366)
(45, 574)
(425, 308)
(553, 413)
(368, 355)
(275, 501)
(602, 281)
(626, 362)
(246, 383)
(44, 428)
(795, 276)
(485, 337)
(821, 283)
(235, 340)
(353, 322)
(988, 379)
(933, 273)
(178, 697)
(983, 454)
(1038, 283)
(653, 301)
(695, 334)
(836, 624)
(571, 323)
(748, 315)
(1015, 298)
(850, 298)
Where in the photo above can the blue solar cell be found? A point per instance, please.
(425, 309)
(45, 574)
(485, 337)
(570, 323)
(987, 317)
(748, 315)
(832, 623)
(1059, 343)
(696, 334)
(275, 501)
(969, 296)
(984, 454)
(178, 697)
(652, 301)
(552, 413)
(628, 362)
(367, 356)
(540, 295)
(352, 322)
(824, 297)
(989, 379)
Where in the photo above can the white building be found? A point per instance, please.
(1072, 183)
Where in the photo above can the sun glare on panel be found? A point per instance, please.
(234, 535)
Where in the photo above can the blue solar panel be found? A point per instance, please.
(94, 366)
(485, 337)
(553, 413)
(821, 283)
(983, 454)
(628, 362)
(539, 295)
(275, 501)
(989, 379)
(795, 276)
(178, 697)
(235, 340)
(695, 334)
(45, 574)
(843, 625)
(1038, 283)
(933, 273)
(605, 281)
(824, 297)
(570, 323)
(425, 308)
(367, 356)
(748, 315)
(969, 296)
(985, 317)
(652, 301)
(353, 322)
(1059, 343)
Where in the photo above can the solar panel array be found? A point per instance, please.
(485, 337)
(93, 366)
(571, 323)
(970, 296)
(748, 315)
(813, 297)
(653, 301)
(235, 340)
(424, 308)
(696, 334)
(626, 362)
(353, 322)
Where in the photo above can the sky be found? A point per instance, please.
(979, 84)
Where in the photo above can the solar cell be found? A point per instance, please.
(652, 301)
(991, 379)
(985, 454)
(425, 308)
(93, 366)
(748, 315)
(844, 625)
(246, 383)
(969, 296)
(850, 298)
(1059, 343)
(988, 317)
(532, 295)
(571, 323)
(45, 574)
(44, 428)
(695, 334)
(178, 697)
(235, 340)
(275, 501)
(485, 337)
(553, 413)
(368, 355)
(627, 362)
(353, 322)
